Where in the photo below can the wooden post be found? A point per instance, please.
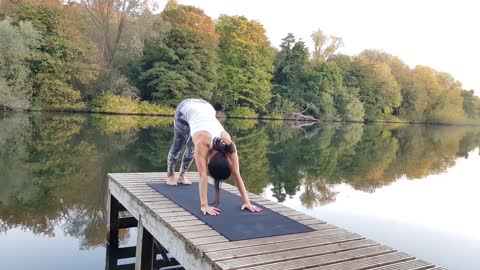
(144, 255)
(113, 207)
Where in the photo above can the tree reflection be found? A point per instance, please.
(53, 166)
(252, 142)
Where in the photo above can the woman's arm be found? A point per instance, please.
(237, 178)
(201, 151)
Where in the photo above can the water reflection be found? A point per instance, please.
(53, 166)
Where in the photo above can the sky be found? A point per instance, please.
(442, 34)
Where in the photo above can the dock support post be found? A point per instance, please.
(144, 259)
(113, 208)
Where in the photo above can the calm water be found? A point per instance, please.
(415, 188)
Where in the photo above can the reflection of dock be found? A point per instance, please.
(179, 237)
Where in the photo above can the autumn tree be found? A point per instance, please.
(16, 44)
(63, 64)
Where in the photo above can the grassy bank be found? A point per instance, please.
(120, 105)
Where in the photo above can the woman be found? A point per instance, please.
(196, 126)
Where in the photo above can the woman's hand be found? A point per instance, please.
(251, 208)
(213, 211)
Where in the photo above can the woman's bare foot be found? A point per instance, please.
(183, 179)
(171, 180)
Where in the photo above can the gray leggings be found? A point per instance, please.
(181, 136)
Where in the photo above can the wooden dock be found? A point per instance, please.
(180, 238)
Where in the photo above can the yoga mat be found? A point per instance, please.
(232, 222)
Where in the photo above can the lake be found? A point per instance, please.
(413, 187)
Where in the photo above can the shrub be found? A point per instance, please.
(243, 112)
(110, 103)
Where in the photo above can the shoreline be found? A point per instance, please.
(249, 118)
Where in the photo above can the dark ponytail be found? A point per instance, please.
(217, 184)
(219, 170)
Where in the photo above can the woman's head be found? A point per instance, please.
(219, 169)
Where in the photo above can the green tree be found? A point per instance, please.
(63, 63)
(246, 64)
(378, 89)
(185, 64)
(403, 76)
(16, 45)
(324, 81)
(290, 74)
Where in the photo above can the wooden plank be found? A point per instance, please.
(174, 214)
(179, 224)
(282, 246)
(310, 262)
(294, 254)
(160, 205)
(180, 218)
(144, 249)
(410, 265)
(322, 226)
(393, 259)
(311, 221)
(167, 209)
(197, 228)
(199, 234)
(270, 240)
(209, 240)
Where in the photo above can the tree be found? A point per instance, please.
(437, 96)
(112, 19)
(15, 46)
(324, 47)
(120, 29)
(290, 73)
(402, 74)
(324, 80)
(185, 64)
(379, 91)
(471, 104)
(246, 64)
(63, 63)
(448, 106)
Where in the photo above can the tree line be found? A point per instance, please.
(66, 56)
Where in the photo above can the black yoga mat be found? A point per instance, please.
(232, 222)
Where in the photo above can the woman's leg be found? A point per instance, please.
(179, 140)
(181, 133)
(187, 159)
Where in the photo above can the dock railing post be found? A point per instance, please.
(113, 207)
(144, 253)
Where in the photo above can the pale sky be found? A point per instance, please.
(442, 34)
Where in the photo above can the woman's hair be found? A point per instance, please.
(218, 167)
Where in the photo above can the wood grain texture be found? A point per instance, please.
(197, 246)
